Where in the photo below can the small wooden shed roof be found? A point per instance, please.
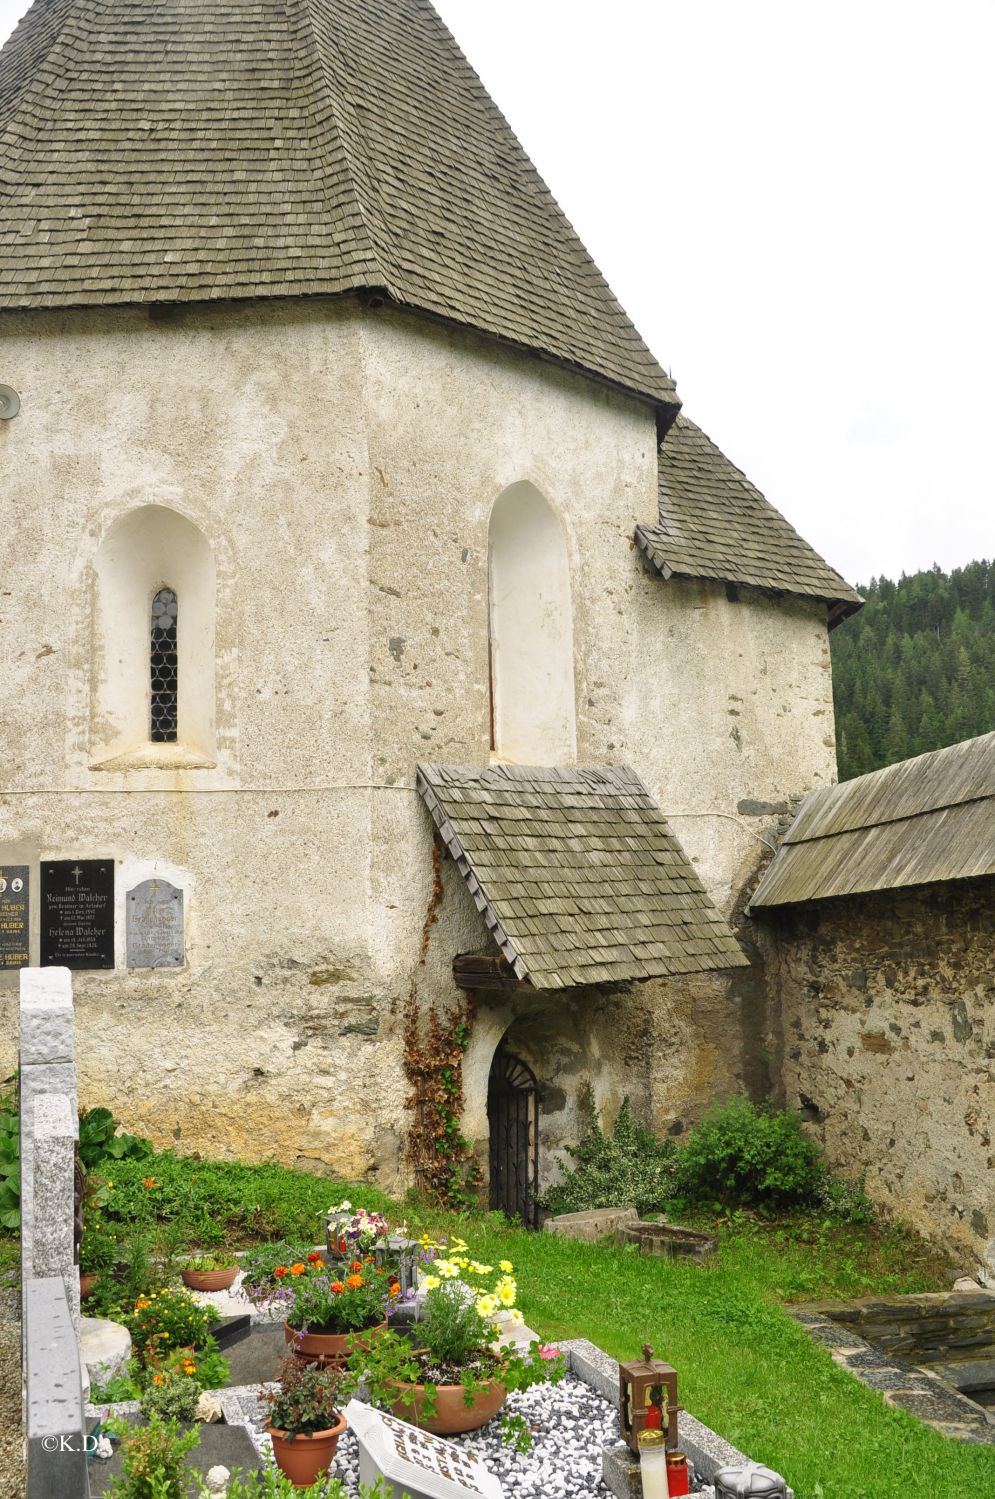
(576, 873)
(915, 823)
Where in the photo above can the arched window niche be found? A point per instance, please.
(533, 710)
(153, 685)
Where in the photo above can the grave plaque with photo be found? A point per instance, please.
(14, 916)
(77, 913)
(414, 1462)
(154, 925)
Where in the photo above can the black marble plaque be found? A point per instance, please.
(14, 916)
(77, 913)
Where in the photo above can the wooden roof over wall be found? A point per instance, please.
(576, 873)
(915, 823)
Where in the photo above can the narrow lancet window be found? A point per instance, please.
(162, 660)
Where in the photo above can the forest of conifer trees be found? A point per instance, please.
(914, 670)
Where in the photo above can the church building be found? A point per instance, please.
(376, 632)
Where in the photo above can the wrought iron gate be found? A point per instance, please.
(513, 1117)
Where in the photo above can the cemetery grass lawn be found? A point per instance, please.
(746, 1368)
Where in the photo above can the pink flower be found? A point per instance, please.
(548, 1351)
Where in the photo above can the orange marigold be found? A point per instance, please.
(337, 1286)
(280, 1271)
(354, 1282)
(314, 1258)
(298, 1269)
(356, 1265)
(395, 1289)
(149, 1182)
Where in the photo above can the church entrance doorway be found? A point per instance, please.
(513, 1119)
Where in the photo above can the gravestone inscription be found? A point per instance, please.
(154, 925)
(416, 1463)
(77, 913)
(14, 916)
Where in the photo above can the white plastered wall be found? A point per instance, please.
(342, 467)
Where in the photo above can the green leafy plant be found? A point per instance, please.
(627, 1168)
(153, 1459)
(10, 1162)
(271, 1483)
(307, 1398)
(203, 1264)
(752, 1154)
(121, 1387)
(100, 1141)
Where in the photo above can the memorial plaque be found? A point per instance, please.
(154, 925)
(77, 913)
(14, 916)
(414, 1462)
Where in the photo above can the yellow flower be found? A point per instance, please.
(506, 1293)
(430, 1282)
(446, 1268)
(460, 1245)
(506, 1266)
(486, 1307)
(516, 1317)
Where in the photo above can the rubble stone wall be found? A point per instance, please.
(882, 1030)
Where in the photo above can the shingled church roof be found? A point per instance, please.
(212, 149)
(715, 524)
(576, 873)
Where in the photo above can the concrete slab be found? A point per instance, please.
(231, 1446)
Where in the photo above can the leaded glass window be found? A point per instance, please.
(162, 659)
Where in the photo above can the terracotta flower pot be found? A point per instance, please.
(302, 1458)
(209, 1280)
(87, 1280)
(452, 1414)
(329, 1347)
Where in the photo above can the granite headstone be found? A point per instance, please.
(154, 925)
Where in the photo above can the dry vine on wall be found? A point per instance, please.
(434, 1046)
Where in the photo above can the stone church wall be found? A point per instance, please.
(341, 465)
(883, 1032)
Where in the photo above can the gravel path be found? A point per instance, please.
(11, 1465)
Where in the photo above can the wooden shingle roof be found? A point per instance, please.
(190, 150)
(576, 873)
(715, 524)
(914, 823)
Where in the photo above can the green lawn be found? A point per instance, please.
(745, 1367)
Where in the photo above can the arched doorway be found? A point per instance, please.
(513, 1121)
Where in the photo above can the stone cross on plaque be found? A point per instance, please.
(154, 925)
(415, 1462)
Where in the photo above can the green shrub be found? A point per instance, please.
(173, 1399)
(744, 1155)
(845, 1200)
(10, 1162)
(626, 1168)
(99, 1141)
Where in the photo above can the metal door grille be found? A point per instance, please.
(513, 1117)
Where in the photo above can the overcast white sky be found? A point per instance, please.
(796, 204)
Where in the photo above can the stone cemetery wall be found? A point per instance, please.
(882, 1030)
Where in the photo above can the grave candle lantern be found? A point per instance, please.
(404, 1252)
(334, 1224)
(647, 1399)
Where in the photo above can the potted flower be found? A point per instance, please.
(451, 1374)
(210, 1272)
(304, 1423)
(328, 1315)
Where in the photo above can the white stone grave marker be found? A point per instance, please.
(415, 1462)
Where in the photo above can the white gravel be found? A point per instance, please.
(570, 1424)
